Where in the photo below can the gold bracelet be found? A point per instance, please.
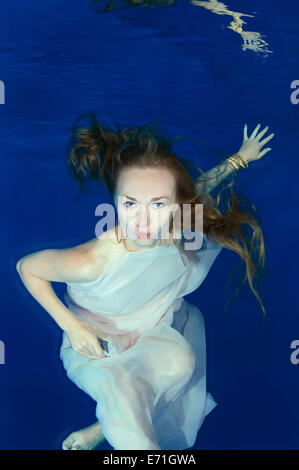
(238, 162)
(234, 163)
(242, 158)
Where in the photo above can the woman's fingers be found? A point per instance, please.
(91, 352)
(260, 135)
(255, 136)
(255, 132)
(264, 151)
(84, 351)
(263, 142)
(95, 349)
(98, 350)
(245, 137)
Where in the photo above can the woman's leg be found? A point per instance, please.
(88, 438)
(125, 412)
(128, 386)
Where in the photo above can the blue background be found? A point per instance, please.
(182, 66)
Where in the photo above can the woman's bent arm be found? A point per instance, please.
(38, 269)
(43, 292)
(73, 264)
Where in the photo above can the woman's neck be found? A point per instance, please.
(130, 244)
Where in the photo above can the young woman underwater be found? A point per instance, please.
(125, 294)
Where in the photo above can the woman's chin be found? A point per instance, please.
(150, 241)
(146, 241)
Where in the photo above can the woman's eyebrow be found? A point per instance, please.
(153, 199)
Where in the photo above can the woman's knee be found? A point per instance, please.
(178, 359)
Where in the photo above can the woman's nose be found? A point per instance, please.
(143, 217)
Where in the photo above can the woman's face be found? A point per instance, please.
(143, 200)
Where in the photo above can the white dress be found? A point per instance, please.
(150, 389)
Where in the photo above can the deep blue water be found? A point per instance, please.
(182, 66)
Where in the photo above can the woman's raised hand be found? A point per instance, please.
(252, 146)
(84, 339)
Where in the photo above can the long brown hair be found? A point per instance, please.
(98, 154)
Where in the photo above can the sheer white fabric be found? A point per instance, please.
(150, 390)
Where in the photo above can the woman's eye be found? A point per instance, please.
(133, 203)
(128, 202)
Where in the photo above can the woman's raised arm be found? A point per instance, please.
(249, 151)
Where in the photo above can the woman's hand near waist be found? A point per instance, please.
(84, 338)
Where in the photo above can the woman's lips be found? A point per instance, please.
(143, 235)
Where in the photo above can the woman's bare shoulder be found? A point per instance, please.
(104, 245)
(98, 252)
